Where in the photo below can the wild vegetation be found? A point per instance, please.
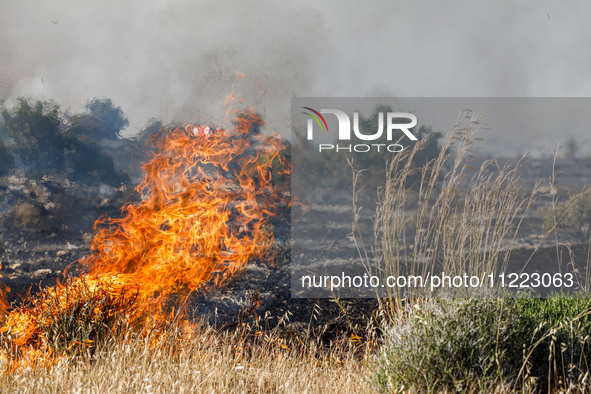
(459, 221)
(488, 344)
(433, 212)
(181, 357)
(47, 141)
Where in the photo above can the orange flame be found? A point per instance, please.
(205, 200)
(204, 210)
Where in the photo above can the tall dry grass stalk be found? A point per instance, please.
(561, 215)
(451, 220)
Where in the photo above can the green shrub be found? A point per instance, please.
(485, 344)
(448, 344)
(562, 353)
(46, 145)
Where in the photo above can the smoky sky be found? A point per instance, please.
(177, 60)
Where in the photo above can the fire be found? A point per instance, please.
(206, 198)
(205, 204)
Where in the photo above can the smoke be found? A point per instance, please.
(170, 60)
(430, 48)
(176, 60)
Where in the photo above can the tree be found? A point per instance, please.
(35, 130)
(44, 147)
(6, 158)
(101, 121)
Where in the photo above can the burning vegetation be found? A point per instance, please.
(204, 211)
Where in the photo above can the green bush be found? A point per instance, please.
(487, 343)
(46, 145)
(562, 353)
(102, 120)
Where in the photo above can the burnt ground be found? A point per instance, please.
(47, 224)
(260, 290)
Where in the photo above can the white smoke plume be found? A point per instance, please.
(177, 60)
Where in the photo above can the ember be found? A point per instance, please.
(204, 210)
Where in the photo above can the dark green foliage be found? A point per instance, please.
(562, 325)
(479, 343)
(101, 121)
(89, 163)
(46, 146)
(35, 130)
(555, 310)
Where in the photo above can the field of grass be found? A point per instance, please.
(487, 344)
(207, 361)
(454, 219)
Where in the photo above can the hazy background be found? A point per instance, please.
(177, 60)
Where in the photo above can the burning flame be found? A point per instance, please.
(204, 210)
(205, 200)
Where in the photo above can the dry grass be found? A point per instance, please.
(449, 221)
(85, 338)
(207, 361)
(458, 220)
(453, 219)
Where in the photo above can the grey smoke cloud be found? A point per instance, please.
(177, 60)
(171, 60)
